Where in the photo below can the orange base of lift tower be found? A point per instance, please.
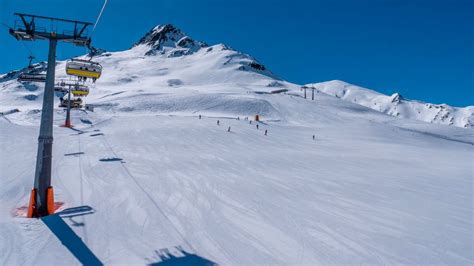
(67, 124)
(32, 211)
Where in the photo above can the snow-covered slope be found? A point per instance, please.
(168, 59)
(396, 105)
(143, 180)
(166, 71)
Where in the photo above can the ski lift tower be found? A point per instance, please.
(31, 28)
(31, 57)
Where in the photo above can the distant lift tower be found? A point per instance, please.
(31, 28)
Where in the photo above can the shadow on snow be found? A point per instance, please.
(181, 258)
(68, 238)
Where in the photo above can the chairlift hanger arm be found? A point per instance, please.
(27, 25)
(81, 31)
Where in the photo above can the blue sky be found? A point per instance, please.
(420, 48)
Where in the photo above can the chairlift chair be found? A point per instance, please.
(80, 91)
(75, 103)
(60, 91)
(29, 77)
(83, 69)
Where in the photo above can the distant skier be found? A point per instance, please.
(217, 122)
(250, 122)
(266, 131)
(228, 130)
(314, 137)
(199, 116)
(257, 126)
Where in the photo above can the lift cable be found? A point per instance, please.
(3, 15)
(24, 45)
(27, 48)
(98, 17)
(91, 49)
(4, 24)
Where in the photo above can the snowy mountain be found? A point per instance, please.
(39, 68)
(163, 38)
(166, 57)
(171, 168)
(398, 106)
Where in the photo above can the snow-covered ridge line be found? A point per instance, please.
(396, 105)
(164, 37)
(166, 60)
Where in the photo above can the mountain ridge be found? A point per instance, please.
(153, 59)
(398, 106)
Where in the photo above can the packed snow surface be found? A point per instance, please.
(144, 180)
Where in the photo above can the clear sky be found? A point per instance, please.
(423, 49)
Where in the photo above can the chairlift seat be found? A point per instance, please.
(83, 68)
(75, 103)
(24, 77)
(80, 91)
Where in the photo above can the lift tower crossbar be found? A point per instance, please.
(27, 29)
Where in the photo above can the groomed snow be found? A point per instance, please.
(369, 189)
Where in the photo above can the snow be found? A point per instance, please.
(396, 105)
(144, 180)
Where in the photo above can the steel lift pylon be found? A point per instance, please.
(27, 29)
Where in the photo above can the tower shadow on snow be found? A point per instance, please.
(74, 153)
(70, 213)
(113, 159)
(76, 211)
(68, 238)
(182, 258)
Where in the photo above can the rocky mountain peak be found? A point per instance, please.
(168, 38)
(396, 98)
